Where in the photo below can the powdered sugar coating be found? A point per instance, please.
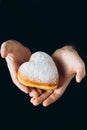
(40, 68)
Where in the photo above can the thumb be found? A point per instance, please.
(80, 74)
(4, 50)
(78, 78)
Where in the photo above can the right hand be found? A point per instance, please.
(15, 54)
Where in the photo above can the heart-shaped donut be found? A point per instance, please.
(39, 72)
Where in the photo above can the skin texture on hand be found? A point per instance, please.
(67, 60)
(15, 54)
(69, 64)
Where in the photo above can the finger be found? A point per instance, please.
(57, 93)
(40, 91)
(40, 99)
(13, 73)
(34, 93)
(17, 83)
(80, 72)
(21, 87)
(54, 96)
(4, 49)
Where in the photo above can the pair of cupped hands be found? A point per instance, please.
(67, 60)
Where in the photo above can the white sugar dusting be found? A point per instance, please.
(41, 67)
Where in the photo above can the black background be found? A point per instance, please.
(46, 26)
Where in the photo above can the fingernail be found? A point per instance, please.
(44, 104)
(34, 103)
(30, 94)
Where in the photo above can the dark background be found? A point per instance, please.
(46, 26)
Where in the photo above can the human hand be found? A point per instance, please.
(69, 64)
(15, 54)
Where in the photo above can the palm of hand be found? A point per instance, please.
(15, 54)
(15, 51)
(67, 60)
(69, 64)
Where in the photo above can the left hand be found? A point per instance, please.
(69, 64)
